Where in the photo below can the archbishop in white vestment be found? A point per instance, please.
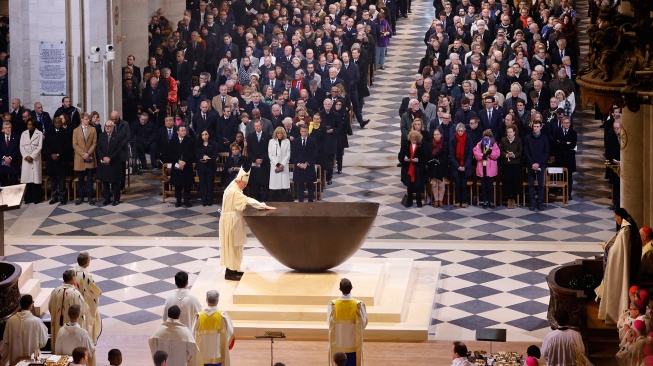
(91, 292)
(23, 334)
(61, 299)
(347, 319)
(175, 339)
(232, 224)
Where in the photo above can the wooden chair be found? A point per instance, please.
(222, 158)
(98, 189)
(524, 185)
(556, 178)
(165, 179)
(316, 184)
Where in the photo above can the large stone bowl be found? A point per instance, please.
(312, 237)
(9, 291)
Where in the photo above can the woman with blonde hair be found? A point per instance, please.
(279, 154)
(412, 157)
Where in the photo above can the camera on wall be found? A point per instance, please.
(111, 53)
(95, 54)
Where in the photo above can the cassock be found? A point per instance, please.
(232, 225)
(61, 299)
(176, 340)
(558, 346)
(613, 291)
(91, 292)
(347, 319)
(214, 334)
(188, 304)
(71, 336)
(23, 334)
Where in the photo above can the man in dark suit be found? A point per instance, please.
(303, 154)
(11, 160)
(276, 117)
(57, 149)
(277, 86)
(154, 102)
(354, 77)
(332, 80)
(68, 108)
(109, 170)
(206, 119)
(316, 94)
(195, 54)
(136, 71)
(123, 133)
(257, 148)
(41, 118)
(143, 135)
(257, 104)
(162, 142)
(17, 122)
(182, 72)
(564, 143)
(332, 127)
(490, 117)
(183, 156)
(293, 93)
(292, 131)
(226, 128)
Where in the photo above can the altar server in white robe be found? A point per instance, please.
(24, 333)
(175, 339)
(91, 292)
(347, 319)
(182, 298)
(232, 225)
(71, 336)
(558, 345)
(61, 299)
(214, 333)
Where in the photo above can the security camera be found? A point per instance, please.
(111, 53)
(95, 54)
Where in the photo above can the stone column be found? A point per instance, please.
(647, 158)
(632, 172)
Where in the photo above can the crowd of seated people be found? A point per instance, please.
(493, 103)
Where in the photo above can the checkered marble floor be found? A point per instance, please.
(494, 261)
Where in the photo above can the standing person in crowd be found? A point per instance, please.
(257, 149)
(11, 159)
(303, 154)
(232, 225)
(536, 151)
(214, 333)
(347, 319)
(86, 286)
(487, 153)
(84, 144)
(57, 148)
(621, 261)
(279, 154)
(413, 158)
(460, 160)
(42, 118)
(31, 144)
(123, 133)
(206, 155)
(235, 162)
(61, 299)
(332, 127)
(383, 40)
(438, 166)
(23, 333)
(109, 170)
(343, 142)
(511, 167)
(144, 138)
(564, 142)
(183, 156)
(70, 110)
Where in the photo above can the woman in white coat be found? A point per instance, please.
(31, 144)
(279, 154)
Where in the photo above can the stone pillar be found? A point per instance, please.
(647, 158)
(632, 172)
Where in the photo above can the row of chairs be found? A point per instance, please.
(554, 178)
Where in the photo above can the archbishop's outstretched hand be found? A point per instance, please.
(270, 208)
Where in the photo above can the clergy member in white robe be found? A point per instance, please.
(558, 345)
(630, 351)
(214, 333)
(61, 299)
(182, 298)
(347, 319)
(24, 333)
(621, 262)
(232, 225)
(71, 336)
(175, 339)
(91, 292)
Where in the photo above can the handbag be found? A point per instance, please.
(404, 200)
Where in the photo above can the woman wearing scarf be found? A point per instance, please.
(460, 159)
(486, 153)
(437, 167)
(621, 260)
(413, 159)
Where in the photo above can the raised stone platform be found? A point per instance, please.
(399, 295)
